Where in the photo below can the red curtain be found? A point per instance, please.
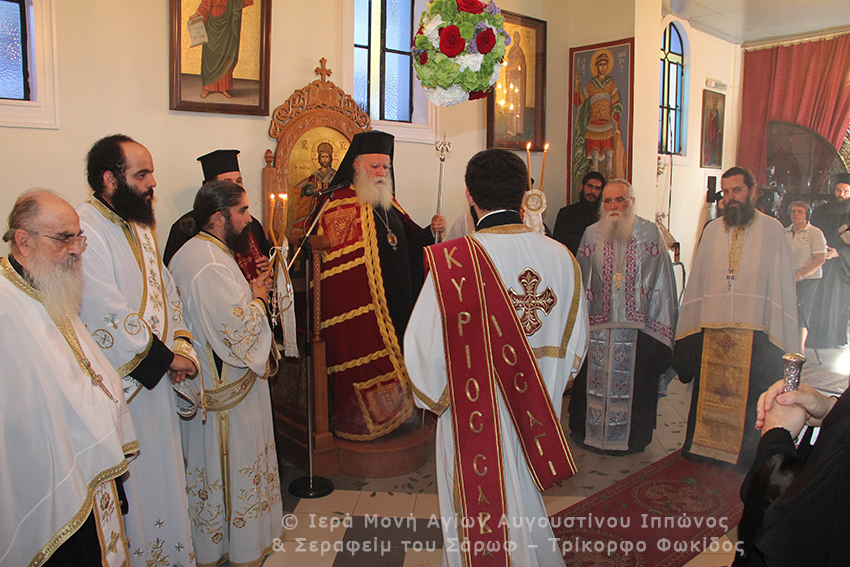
(806, 84)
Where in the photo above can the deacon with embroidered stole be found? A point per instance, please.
(67, 431)
(498, 331)
(133, 311)
(232, 471)
(738, 317)
(632, 304)
(371, 275)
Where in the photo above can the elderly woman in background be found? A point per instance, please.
(808, 246)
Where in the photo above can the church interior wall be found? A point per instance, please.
(707, 58)
(114, 78)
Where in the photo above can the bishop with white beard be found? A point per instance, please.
(371, 276)
(628, 278)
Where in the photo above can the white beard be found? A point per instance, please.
(377, 191)
(618, 227)
(60, 286)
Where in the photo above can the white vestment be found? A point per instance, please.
(63, 438)
(513, 249)
(759, 295)
(128, 298)
(234, 487)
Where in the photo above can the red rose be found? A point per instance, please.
(451, 43)
(471, 6)
(474, 95)
(485, 41)
(423, 58)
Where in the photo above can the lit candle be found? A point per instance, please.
(543, 170)
(271, 219)
(528, 163)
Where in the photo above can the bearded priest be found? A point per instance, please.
(371, 275)
(631, 296)
(133, 311)
(738, 317)
(67, 431)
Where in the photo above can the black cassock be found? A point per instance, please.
(796, 500)
(831, 305)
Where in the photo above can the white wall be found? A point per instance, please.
(707, 57)
(114, 78)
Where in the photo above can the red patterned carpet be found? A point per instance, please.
(663, 515)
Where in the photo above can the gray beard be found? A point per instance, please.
(618, 229)
(376, 192)
(60, 287)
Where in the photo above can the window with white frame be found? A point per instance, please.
(14, 50)
(672, 88)
(383, 71)
(27, 71)
(384, 83)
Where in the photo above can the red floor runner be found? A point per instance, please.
(663, 515)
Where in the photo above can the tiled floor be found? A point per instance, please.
(390, 522)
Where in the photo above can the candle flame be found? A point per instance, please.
(528, 146)
(282, 196)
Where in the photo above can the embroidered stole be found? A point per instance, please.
(248, 262)
(486, 349)
(724, 384)
(152, 311)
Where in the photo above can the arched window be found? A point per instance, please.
(670, 109)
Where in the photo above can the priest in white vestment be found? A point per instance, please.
(67, 434)
(232, 467)
(543, 298)
(133, 312)
(738, 317)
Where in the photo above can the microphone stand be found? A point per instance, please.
(310, 486)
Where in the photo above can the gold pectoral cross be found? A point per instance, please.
(619, 280)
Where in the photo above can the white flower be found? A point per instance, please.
(431, 31)
(471, 61)
(447, 97)
(497, 69)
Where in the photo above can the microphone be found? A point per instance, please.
(333, 188)
(308, 190)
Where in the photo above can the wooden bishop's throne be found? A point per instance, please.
(314, 120)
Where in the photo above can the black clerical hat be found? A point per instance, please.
(842, 178)
(371, 142)
(218, 162)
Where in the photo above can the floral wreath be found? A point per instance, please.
(459, 50)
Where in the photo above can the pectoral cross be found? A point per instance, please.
(619, 279)
(730, 277)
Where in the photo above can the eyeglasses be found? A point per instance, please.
(69, 241)
(618, 200)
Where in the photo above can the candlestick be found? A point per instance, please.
(284, 213)
(543, 170)
(528, 163)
